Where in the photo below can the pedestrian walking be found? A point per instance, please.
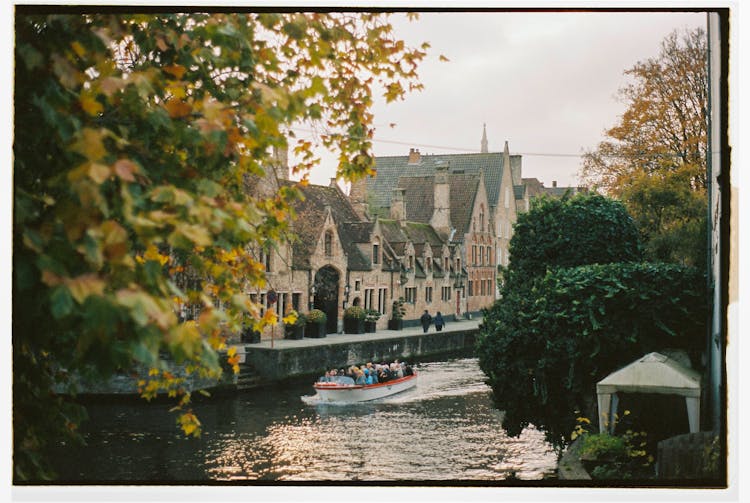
(426, 320)
(439, 322)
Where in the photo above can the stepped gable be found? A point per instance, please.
(391, 168)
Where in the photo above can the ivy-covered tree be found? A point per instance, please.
(569, 314)
(571, 231)
(135, 140)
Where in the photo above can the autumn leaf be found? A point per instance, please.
(176, 70)
(125, 169)
(177, 108)
(90, 105)
(85, 285)
(90, 145)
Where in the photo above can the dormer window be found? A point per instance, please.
(411, 262)
(329, 243)
(376, 251)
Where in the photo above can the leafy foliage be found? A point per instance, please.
(655, 157)
(138, 143)
(577, 304)
(584, 229)
(354, 313)
(316, 316)
(545, 346)
(398, 309)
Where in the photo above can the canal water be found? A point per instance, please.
(444, 429)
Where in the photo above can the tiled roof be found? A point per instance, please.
(519, 191)
(389, 169)
(418, 233)
(463, 193)
(419, 197)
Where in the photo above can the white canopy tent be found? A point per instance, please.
(652, 373)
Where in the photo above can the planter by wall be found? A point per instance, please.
(250, 336)
(315, 330)
(352, 326)
(371, 326)
(294, 332)
(395, 324)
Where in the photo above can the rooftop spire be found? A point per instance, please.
(484, 139)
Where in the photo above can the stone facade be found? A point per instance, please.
(429, 229)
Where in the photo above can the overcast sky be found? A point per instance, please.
(545, 82)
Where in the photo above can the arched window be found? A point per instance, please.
(481, 218)
(329, 243)
(489, 255)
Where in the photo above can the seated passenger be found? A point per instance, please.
(360, 378)
(368, 377)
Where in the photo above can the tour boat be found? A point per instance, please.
(343, 389)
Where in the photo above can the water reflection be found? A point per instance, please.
(443, 429)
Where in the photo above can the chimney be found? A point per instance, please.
(281, 162)
(554, 183)
(398, 208)
(414, 156)
(441, 213)
(358, 196)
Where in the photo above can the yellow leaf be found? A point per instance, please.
(85, 285)
(232, 351)
(78, 49)
(99, 172)
(153, 372)
(90, 105)
(89, 144)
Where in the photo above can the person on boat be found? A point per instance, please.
(368, 376)
(360, 377)
(439, 321)
(385, 374)
(426, 320)
(408, 371)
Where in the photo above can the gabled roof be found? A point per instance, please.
(389, 169)
(311, 214)
(419, 234)
(463, 194)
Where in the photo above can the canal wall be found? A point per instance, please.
(265, 365)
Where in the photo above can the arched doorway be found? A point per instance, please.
(327, 296)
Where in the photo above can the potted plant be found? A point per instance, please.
(371, 320)
(397, 318)
(354, 320)
(316, 324)
(249, 336)
(294, 325)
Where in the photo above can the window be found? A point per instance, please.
(428, 262)
(471, 288)
(428, 294)
(376, 252)
(329, 244)
(265, 259)
(410, 294)
(368, 298)
(474, 254)
(489, 255)
(481, 219)
(458, 265)
(481, 287)
(382, 296)
(445, 294)
(295, 301)
(357, 285)
(411, 262)
(481, 255)
(446, 263)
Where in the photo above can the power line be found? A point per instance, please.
(527, 154)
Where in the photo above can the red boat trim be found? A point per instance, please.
(335, 386)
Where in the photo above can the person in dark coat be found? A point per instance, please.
(439, 321)
(426, 320)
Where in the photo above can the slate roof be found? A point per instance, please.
(418, 233)
(311, 213)
(390, 168)
(463, 193)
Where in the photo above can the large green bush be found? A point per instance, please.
(544, 346)
(568, 232)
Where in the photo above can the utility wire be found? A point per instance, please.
(528, 154)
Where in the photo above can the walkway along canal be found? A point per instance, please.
(272, 361)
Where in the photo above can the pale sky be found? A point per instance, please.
(545, 82)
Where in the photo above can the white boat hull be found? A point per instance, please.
(346, 393)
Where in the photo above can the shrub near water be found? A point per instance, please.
(544, 348)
